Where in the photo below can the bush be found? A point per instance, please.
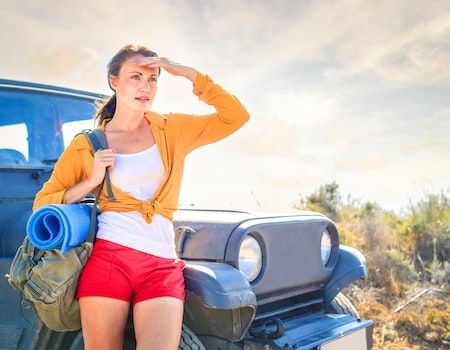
(439, 272)
(426, 229)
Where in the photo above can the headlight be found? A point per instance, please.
(325, 246)
(250, 258)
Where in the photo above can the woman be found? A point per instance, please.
(134, 261)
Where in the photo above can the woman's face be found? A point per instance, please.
(135, 86)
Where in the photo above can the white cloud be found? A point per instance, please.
(401, 42)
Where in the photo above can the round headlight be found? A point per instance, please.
(325, 246)
(250, 258)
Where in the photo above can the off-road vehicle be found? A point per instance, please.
(253, 281)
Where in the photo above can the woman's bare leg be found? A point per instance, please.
(103, 322)
(157, 323)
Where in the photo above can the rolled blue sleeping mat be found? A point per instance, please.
(60, 226)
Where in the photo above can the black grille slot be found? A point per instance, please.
(289, 307)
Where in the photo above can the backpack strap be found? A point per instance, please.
(97, 140)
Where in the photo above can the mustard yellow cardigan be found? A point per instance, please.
(176, 135)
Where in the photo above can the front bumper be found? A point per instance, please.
(313, 332)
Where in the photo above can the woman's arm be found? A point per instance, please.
(200, 130)
(70, 182)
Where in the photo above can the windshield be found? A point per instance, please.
(36, 126)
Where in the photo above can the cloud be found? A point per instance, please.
(78, 65)
(410, 149)
(399, 42)
(370, 161)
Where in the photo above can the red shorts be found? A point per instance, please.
(115, 271)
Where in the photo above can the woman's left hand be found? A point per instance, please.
(168, 65)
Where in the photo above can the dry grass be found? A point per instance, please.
(410, 307)
(415, 324)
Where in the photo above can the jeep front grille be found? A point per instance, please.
(289, 307)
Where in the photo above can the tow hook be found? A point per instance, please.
(265, 334)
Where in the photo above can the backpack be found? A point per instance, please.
(48, 278)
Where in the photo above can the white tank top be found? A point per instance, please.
(139, 174)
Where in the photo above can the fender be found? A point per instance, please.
(350, 267)
(218, 285)
(219, 300)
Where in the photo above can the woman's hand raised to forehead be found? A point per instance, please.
(168, 65)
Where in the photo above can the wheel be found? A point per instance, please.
(342, 305)
(189, 340)
(77, 343)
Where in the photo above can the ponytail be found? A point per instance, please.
(106, 109)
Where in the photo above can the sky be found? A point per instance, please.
(345, 91)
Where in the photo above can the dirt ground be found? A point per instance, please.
(419, 321)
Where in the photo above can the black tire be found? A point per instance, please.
(189, 340)
(77, 343)
(342, 305)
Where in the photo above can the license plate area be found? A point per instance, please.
(353, 341)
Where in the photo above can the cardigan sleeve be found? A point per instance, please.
(68, 171)
(199, 130)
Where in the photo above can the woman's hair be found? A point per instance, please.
(107, 107)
